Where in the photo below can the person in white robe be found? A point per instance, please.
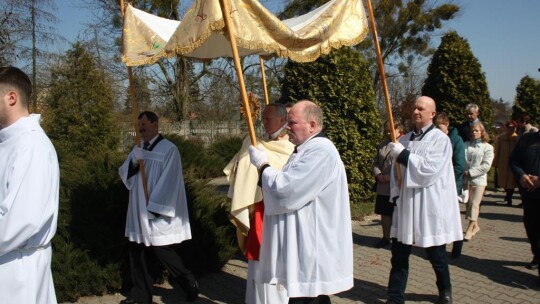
(153, 225)
(247, 206)
(29, 193)
(307, 236)
(426, 214)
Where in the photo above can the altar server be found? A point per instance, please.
(426, 213)
(307, 238)
(154, 226)
(29, 185)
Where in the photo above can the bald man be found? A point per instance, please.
(307, 238)
(426, 214)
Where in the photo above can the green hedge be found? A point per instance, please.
(206, 162)
(90, 250)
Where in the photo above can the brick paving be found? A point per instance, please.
(490, 270)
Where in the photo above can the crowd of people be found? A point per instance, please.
(290, 200)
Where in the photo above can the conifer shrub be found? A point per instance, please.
(213, 240)
(341, 84)
(192, 154)
(205, 162)
(220, 153)
(89, 249)
(455, 79)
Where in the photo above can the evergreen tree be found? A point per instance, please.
(455, 79)
(79, 121)
(80, 106)
(341, 84)
(527, 98)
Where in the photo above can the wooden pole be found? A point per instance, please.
(225, 9)
(264, 81)
(383, 79)
(134, 112)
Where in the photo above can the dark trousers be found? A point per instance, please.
(322, 299)
(142, 262)
(400, 269)
(531, 220)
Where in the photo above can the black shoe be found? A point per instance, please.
(383, 243)
(131, 301)
(533, 265)
(445, 297)
(192, 292)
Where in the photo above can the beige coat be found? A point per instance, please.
(503, 147)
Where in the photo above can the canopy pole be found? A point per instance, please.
(383, 79)
(264, 81)
(134, 112)
(225, 9)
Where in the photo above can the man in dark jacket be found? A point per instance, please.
(525, 164)
(473, 111)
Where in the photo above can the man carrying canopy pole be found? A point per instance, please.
(307, 237)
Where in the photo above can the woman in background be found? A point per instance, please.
(504, 145)
(479, 156)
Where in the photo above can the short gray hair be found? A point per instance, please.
(472, 106)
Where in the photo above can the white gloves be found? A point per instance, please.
(138, 154)
(395, 149)
(257, 156)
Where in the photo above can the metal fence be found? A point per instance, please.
(207, 131)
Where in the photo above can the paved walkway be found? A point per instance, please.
(490, 270)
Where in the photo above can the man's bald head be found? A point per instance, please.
(423, 112)
(305, 120)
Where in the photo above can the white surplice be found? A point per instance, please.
(307, 235)
(427, 210)
(165, 182)
(29, 189)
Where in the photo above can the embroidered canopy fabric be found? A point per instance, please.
(202, 35)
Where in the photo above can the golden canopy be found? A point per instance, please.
(201, 34)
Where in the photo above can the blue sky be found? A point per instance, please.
(504, 36)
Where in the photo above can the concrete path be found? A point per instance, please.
(490, 270)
